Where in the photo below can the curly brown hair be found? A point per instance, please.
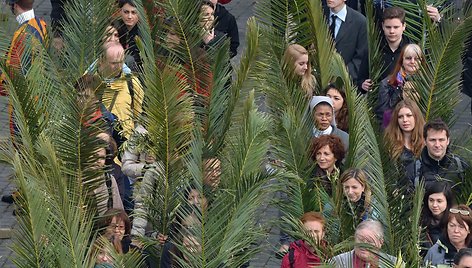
(334, 143)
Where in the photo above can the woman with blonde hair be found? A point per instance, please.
(404, 134)
(296, 60)
(355, 187)
(397, 86)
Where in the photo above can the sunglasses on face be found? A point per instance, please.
(459, 211)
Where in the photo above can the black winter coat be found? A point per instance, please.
(128, 41)
(226, 23)
(389, 96)
(450, 169)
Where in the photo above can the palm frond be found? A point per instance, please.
(376, 65)
(54, 218)
(224, 99)
(83, 34)
(363, 147)
(439, 82)
(227, 230)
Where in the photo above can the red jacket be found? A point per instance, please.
(300, 256)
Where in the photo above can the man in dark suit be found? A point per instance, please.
(349, 29)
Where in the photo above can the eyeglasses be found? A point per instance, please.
(459, 211)
(116, 226)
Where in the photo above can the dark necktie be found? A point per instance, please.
(332, 27)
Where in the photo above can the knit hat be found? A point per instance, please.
(322, 99)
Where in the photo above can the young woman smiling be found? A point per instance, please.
(296, 62)
(354, 185)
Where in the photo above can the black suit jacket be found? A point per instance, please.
(351, 43)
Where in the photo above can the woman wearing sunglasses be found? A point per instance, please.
(456, 237)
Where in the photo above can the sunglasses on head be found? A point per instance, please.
(459, 211)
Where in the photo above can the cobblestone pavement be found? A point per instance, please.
(242, 10)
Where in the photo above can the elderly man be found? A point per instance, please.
(367, 232)
(122, 94)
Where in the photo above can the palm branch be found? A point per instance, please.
(83, 35)
(376, 67)
(54, 155)
(227, 231)
(439, 80)
(55, 214)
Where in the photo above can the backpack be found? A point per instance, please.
(460, 169)
(111, 119)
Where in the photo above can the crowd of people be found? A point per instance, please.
(112, 88)
(419, 149)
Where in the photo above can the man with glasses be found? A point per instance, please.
(437, 162)
(368, 232)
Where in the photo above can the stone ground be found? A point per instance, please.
(242, 10)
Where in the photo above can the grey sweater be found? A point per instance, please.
(344, 260)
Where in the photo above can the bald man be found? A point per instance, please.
(122, 94)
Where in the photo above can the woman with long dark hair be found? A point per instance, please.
(404, 134)
(437, 201)
(340, 106)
